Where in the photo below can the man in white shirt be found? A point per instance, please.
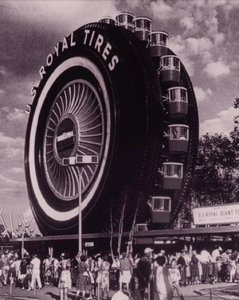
(205, 259)
(36, 263)
(216, 253)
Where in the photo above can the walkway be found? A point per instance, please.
(220, 291)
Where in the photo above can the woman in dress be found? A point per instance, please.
(82, 281)
(162, 288)
(126, 272)
(182, 267)
(47, 269)
(103, 277)
(65, 277)
(194, 268)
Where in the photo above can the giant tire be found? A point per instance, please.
(115, 113)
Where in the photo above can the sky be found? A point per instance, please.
(204, 34)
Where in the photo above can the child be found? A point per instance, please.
(175, 277)
(65, 278)
(232, 268)
(219, 269)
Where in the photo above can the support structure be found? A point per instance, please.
(80, 160)
(24, 227)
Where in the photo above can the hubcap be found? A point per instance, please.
(75, 126)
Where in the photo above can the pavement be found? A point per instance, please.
(191, 292)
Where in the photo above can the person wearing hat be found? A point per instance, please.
(144, 272)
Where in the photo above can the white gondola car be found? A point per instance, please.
(173, 175)
(125, 20)
(107, 20)
(177, 102)
(141, 227)
(160, 209)
(158, 43)
(142, 27)
(178, 138)
(170, 68)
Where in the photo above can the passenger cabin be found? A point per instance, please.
(158, 43)
(142, 28)
(172, 175)
(177, 102)
(107, 20)
(141, 227)
(125, 20)
(178, 138)
(170, 70)
(160, 209)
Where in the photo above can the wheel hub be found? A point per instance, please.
(66, 138)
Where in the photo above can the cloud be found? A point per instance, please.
(3, 71)
(222, 123)
(9, 142)
(68, 15)
(228, 6)
(219, 38)
(134, 4)
(16, 115)
(216, 69)
(206, 57)
(202, 95)
(16, 170)
(12, 122)
(161, 10)
(27, 214)
(197, 46)
(9, 183)
(178, 46)
(187, 22)
(11, 148)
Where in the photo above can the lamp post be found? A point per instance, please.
(22, 236)
(24, 227)
(80, 160)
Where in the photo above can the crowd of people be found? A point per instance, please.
(161, 273)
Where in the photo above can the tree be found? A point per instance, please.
(122, 222)
(216, 179)
(215, 171)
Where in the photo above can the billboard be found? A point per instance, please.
(217, 214)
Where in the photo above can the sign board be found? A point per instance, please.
(89, 244)
(218, 214)
(144, 241)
